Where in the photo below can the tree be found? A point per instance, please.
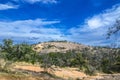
(18, 52)
(114, 29)
(7, 45)
(114, 57)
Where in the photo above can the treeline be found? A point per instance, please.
(17, 52)
(88, 60)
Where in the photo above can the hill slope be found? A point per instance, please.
(58, 46)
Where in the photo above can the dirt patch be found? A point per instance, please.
(7, 76)
(70, 73)
(67, 73)
(30, 68)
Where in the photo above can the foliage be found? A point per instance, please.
(114, 29)
(68, 59)
(105, 60)
(18, 52)
(89, 60)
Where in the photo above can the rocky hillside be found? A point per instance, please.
(58, 46)
(65, 46)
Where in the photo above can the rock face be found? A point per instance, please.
(47, 47)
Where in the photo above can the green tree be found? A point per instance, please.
(18, 52)
(7, 45)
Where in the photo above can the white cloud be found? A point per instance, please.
(107, 18)
(94, 29)
(30, 30)
(8, 6)
(92, 32)
(95, 22)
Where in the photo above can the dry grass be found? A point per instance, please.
(7, 76)
(65, 73)
(25, 71)
(37, 73)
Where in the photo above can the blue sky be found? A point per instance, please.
(83, 21)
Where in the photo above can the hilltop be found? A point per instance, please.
(66, 46)
(59, 46)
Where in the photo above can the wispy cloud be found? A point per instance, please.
(8, 6)
(94, 29)
(30, 30)
(107, 18)
(38, 1)
(92, 32)
(42, 1)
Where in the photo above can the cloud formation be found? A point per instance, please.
(107, 18)
(94, 29)
(8, 6)
(91, 32)
(29, 30)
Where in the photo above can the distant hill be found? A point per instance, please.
(58, 46)
(65, 46)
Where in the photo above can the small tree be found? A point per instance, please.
(114, 29)
(7, 45)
